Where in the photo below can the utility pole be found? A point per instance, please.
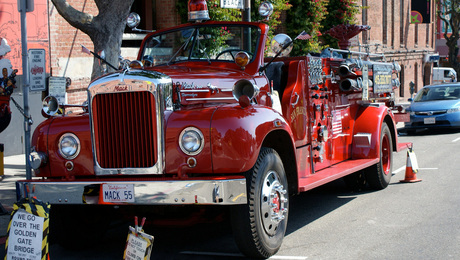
(247, 18)
(25, 6)
(247, 11)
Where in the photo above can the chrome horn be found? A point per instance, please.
(50, 105)
(245, 87)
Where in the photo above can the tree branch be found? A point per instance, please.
(77, 19)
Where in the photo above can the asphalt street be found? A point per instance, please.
(404, 221)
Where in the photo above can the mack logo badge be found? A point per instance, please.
(121, 88)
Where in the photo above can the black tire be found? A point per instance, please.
(356, 181)
(379, 175)
(259, 226)
(411, 131)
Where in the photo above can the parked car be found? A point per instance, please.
(435, 106)
(444, 75)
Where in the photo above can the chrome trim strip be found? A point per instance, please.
(173, 192)
(210, 99)
(362, 139)
(194, 90)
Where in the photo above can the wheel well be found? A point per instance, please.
(281, 142)
(391, 125)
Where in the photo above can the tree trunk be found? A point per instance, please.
(105, 29)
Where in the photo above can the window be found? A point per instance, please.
(385, 22)
(401, 77)
(401, 24)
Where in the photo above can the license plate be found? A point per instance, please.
(118, 193)
(429, 120)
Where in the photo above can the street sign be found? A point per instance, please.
(56, 88)
(37, 71)
(234, 4)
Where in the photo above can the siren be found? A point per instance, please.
(197, 11)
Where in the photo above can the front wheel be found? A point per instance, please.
(259, 226)
(379, 175)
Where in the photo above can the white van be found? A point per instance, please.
(443, 75)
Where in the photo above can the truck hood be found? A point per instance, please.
(224, 76)
(198, 84)
(434, 105)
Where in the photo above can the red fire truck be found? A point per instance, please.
(202, 118)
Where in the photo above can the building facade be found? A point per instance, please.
(393, 34)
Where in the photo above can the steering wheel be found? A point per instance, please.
(231, 51)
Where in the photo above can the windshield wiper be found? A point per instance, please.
(182, 47)
(202, 50)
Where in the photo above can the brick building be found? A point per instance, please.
(391, 34)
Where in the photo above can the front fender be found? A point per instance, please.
(178, 121)
(46, 140)
(237, 135)
(367, 128)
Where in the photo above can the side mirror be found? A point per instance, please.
(133, 20)
(281, 43)
(410, 99)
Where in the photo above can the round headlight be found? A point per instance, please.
(191, 141)
(69, 146)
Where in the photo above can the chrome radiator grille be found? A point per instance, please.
(125, 130)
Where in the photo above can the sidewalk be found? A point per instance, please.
(14, 170)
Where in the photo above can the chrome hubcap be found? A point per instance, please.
(273, 203)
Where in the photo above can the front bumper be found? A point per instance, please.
(440, 121)
(173, 192)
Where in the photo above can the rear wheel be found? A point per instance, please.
(379, 175)
(259, 226)
(356, 181)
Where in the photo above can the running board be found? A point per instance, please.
(334, 172)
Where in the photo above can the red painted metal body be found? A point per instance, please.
(321, 132)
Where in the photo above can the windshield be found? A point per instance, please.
(438, 93)
(208, 43)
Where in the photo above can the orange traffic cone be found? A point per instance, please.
(410, 172)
